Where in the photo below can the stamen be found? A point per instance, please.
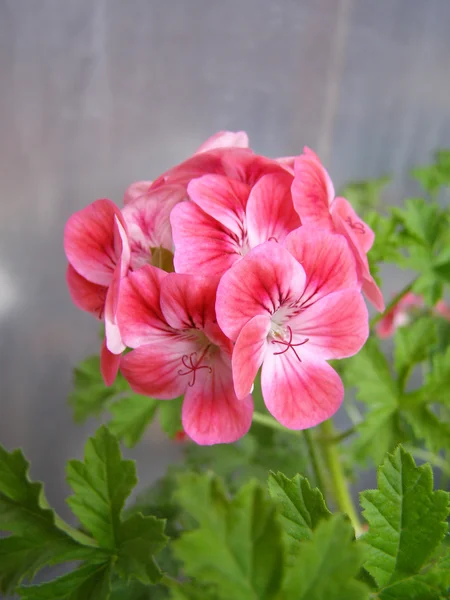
(188, 363)
(289, 344)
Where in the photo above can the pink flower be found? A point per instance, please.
(96, 246)
(147, 217)
(225, 139)
(225, 218)
(399, 315)
(291, 309)
(314, 199)
(169, 320)
(443, 310)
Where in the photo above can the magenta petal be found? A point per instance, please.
(328, 262)
(109, 364)
(89, 241)
(139, 314)
(265, 278)
(312, 191)
(336, 326)
(248, 353)
(202, 245)
(154, 369)
(270, 212)
(86, 295)
(212, 414)
(223, 199)
(225, 139)
(300, 394)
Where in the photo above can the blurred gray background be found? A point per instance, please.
(98, 93)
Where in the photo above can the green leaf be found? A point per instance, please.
(101, 484)
(37, 540)
(238, 543)
(413, 343)
(442, 270)
(169, 412)
(429, 178)
(139, 539)
(428, 427)
(89, 582)
(301, 507)
(437, 383)
(422, 220)
(380, 429)
(407, 520)
(90, 393)
(327, 565)
(131, 416)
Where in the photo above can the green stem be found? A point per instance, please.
(374, 320)
(315, 462)
(270, 422)
(340, 436)
(340, 488)
(170, 582)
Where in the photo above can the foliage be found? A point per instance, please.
(256, 519)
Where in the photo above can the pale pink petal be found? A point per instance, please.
(287, 162)
(300, 394)
(328, 262)
(139, 313)
(193, 167)
(113, 338)
(443, 310)
(109, 364)
(311, 191)
(360, 233)
(336, 326)
(136, 189)
(202, 245)
(267, 277)
(148, 222)
(212, 414)
(225, 139)
(243, 165)
(270, 212)
(157, 369)
(248, 353)
(373, 293)
(222, 198)
(86, 295)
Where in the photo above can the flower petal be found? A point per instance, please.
(225, 139)
(135, 190)
(373, 293)
(312, 191)
(270, 212)
(360, 233)
(202, 244)
(89, 241)
(148, 222)
(86, 295)
(212, 414)
(139, 313)
(328, 262)
(267, 277)
(156, 369)
(336, 326)
(109, 364)
(222, 198)
(300, 394)
(248, 353)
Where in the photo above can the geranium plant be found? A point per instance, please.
(229, 290)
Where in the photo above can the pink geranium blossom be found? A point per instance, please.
(398, 315)
(169, 320)
(314, 199)
(290, 309)
(225, 218)
(96, 246)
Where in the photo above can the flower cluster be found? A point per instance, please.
(227, 263)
